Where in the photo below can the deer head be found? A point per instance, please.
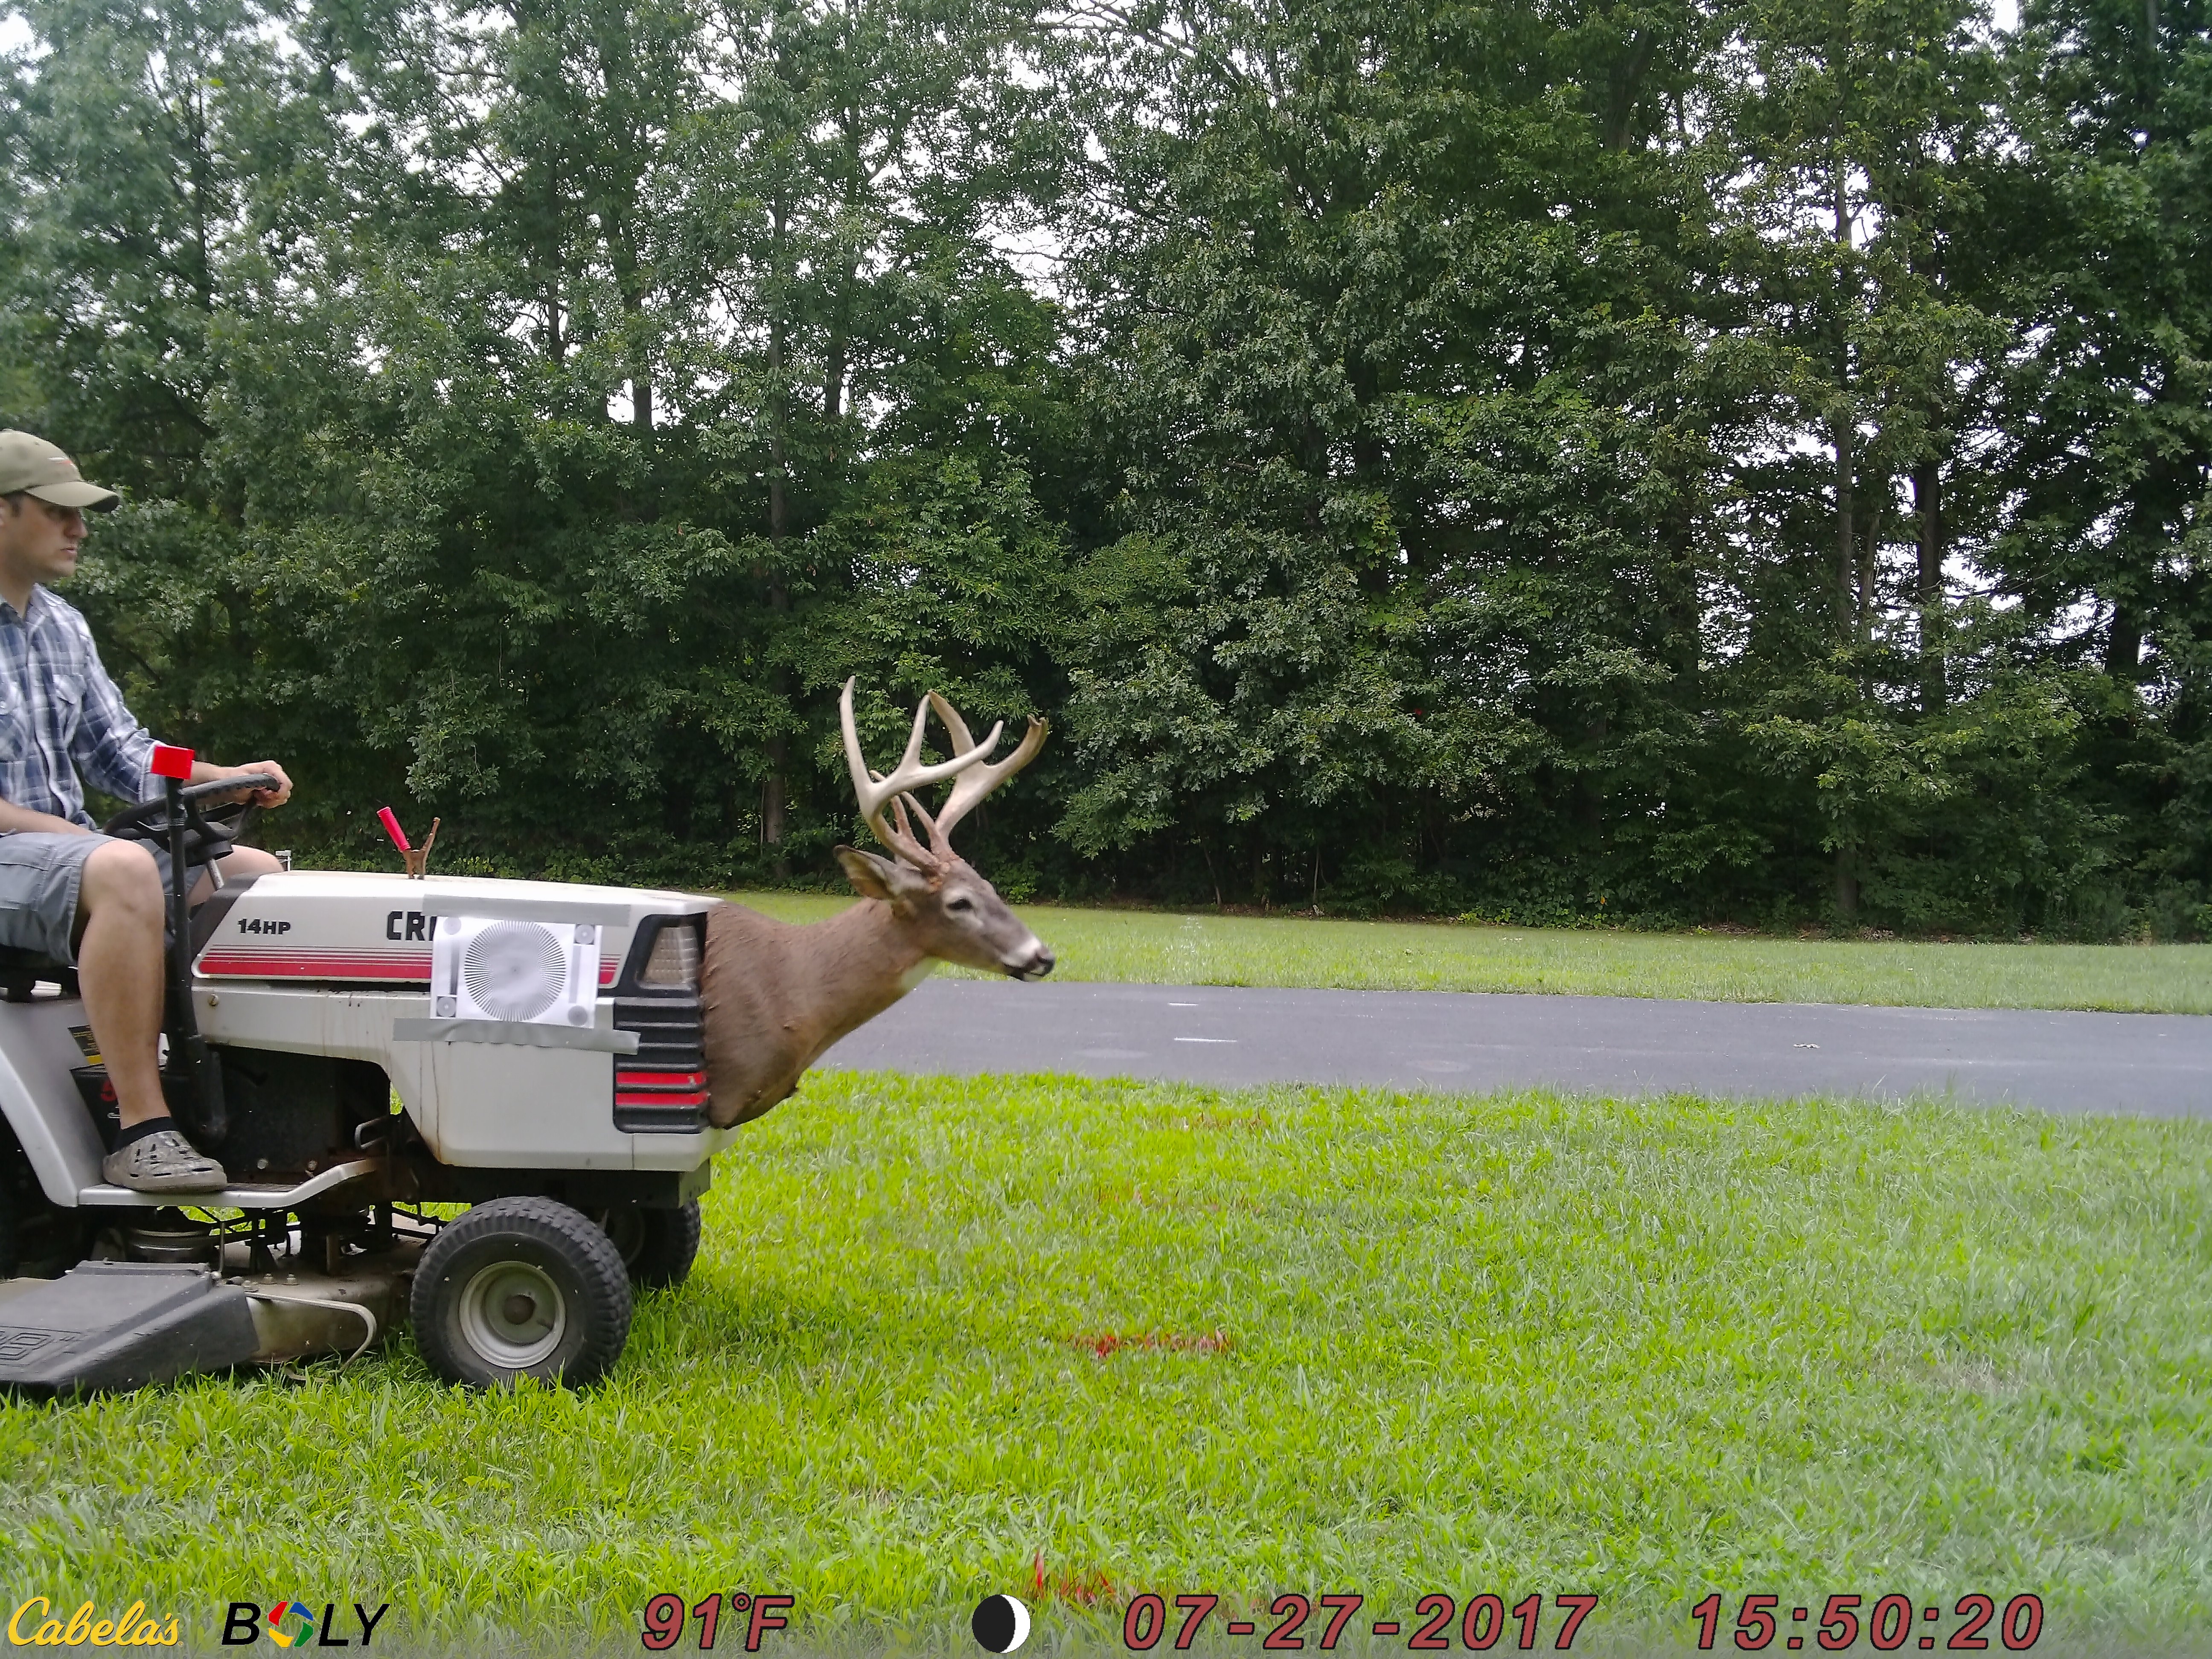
(947, 909)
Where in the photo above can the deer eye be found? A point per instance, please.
(959, 904)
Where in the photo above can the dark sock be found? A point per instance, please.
(152, 1125)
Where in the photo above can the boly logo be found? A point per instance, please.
(290, 1624)
(297, 1624)
(35, 1625)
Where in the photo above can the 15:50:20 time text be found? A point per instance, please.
(1887, 1625)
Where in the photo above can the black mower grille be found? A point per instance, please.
(662, 1088)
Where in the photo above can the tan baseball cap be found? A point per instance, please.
(34, 466)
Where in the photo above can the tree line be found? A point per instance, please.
(1671, 460)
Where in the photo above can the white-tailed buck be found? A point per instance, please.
(776, 995)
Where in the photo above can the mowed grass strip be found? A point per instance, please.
(953, 1336)
(1160, 948)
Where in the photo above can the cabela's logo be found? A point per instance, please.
(36, 1625)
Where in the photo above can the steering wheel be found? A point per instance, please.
(207, 835)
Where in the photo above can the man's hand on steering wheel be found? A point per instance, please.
(206, 772)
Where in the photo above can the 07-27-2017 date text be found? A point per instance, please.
(1436, 1619)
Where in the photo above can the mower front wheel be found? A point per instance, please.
(520, 1287)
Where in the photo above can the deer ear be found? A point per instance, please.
(879, 878)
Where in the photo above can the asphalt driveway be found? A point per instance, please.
(2159, 1064)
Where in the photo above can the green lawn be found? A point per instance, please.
(1155, 948)
(948, 1337)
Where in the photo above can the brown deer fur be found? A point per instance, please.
(776, 996)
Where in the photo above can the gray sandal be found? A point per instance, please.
(163, 1162)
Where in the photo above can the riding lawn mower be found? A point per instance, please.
(363, 1053)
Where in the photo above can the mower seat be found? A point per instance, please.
(21, 970)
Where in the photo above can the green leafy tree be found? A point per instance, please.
(1684, 459)
(1388, 323)
(1866, 132)
(2107, 428)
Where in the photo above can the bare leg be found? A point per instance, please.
(120, 970)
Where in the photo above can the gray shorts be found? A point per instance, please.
(40, 876)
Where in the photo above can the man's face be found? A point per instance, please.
(38, 540)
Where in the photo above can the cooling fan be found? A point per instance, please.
(530, 973)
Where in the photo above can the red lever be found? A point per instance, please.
(170, 762)
(392, 827)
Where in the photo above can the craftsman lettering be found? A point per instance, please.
(416, 922)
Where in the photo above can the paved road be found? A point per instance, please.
(2159, 1064)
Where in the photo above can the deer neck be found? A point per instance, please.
(775, 997)
(852, 967)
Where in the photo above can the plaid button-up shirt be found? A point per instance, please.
(60, 714)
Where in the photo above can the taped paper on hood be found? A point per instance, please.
(532, 973)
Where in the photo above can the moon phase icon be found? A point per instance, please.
(1001, 1624)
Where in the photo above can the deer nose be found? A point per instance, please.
(1038, 966)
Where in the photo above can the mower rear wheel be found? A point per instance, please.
(520, 1287)
(657, 1246)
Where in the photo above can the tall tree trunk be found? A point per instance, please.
(199, 168)
(1847, 883)
(833, 372)
(1843, 431)
(1682, 611)
(1928, 515)
(1847, 880)
(1877, 496)
(1846, 439)
(547, 247)
(1624, 84)
(774, 799)
(2124, 643)
(775, 792)
(1843, 428)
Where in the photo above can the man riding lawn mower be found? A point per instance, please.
(223, 1139)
